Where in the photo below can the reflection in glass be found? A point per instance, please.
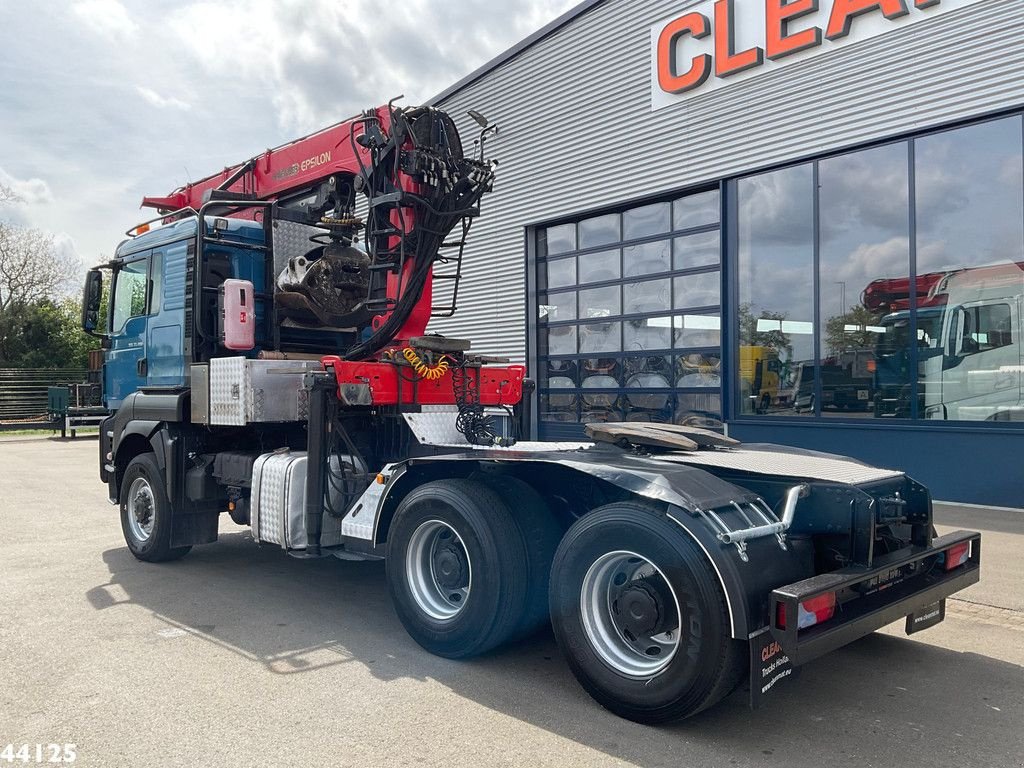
(699, 369)
(560, 239)
(600, 266)
(561, 273)
(560, 340)
(600, 230)
(696, 210)
(700, 250)
(649, 333)
(776, 311)
(864, 268)
(600, 337)
(644, 222)
(697, 331)
(698, 290)
(648, 373)
(699, 410)
(558, 408)
(557, 306)
(648, 296)
(600, 302)
(970, 274)
(648, 258)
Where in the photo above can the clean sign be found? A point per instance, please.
(715, 43)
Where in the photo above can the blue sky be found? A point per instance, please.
(104, 101)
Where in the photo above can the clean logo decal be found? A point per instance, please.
(718, 42)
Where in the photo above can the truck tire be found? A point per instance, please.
(146, 512)
(541, 533)
(638, 611)
(457, 568)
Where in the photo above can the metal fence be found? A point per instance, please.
(23, 391)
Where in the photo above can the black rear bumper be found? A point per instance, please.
(896, 586)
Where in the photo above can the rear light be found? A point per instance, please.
(957, 555)
(809, 612)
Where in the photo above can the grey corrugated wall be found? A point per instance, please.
(577, 131)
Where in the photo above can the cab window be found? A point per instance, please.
(130, 289)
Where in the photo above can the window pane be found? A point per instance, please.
(601, 230)
(600, 266)
(698, 369)
(650, 333)
(700, 250)
(560, 374)
(697, 331)
(865, 243)
(970, 256)
(557, 306)
(703, 410)
(156, 283)
(558, 408)
(600, 302)
(560, 340)
(600, 337)
(648, 258)
(776, 311)
(561, 273)
(649, 220)
(560, 239)
(129, 293)
(700, 290)
(648, 296)
(696, 210)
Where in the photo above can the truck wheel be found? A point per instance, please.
(146, 512)
(457, 568)
(541, 533)
(640, 616)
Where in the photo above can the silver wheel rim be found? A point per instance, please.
(438, 570)
(141, 509)
(630, 614)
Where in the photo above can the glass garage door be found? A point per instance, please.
(629, 316)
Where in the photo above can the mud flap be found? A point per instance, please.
(770, 667)
(927, 617)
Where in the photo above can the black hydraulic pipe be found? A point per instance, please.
(320, 387)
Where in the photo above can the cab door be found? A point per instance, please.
(126, 366)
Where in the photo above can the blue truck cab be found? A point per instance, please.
(149, 315)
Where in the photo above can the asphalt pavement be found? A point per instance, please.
(242, 655)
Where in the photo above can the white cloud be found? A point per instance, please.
(27, 191)
(161, 102)
(106, 17)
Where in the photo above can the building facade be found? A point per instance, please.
(802, 222)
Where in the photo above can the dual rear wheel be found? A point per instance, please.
(633, 602)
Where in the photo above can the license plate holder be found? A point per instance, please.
(926, 617)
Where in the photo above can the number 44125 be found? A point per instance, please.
(38, 753)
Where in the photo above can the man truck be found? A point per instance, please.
(267, 358)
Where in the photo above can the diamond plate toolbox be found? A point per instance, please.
(279, 502)
(244, 391)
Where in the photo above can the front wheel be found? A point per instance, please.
(640, 615)
(146, 512)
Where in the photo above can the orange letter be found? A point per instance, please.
(726, 62)
(844, 11)
(778, 14)
(696, 25)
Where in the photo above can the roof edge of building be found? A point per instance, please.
(510, 53)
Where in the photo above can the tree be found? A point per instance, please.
(31, 267)
(38, 328)
(774, 339)
(851, 331)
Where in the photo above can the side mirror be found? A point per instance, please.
(957, 332)
(92, 296)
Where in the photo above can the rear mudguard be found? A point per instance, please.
(685, 492)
